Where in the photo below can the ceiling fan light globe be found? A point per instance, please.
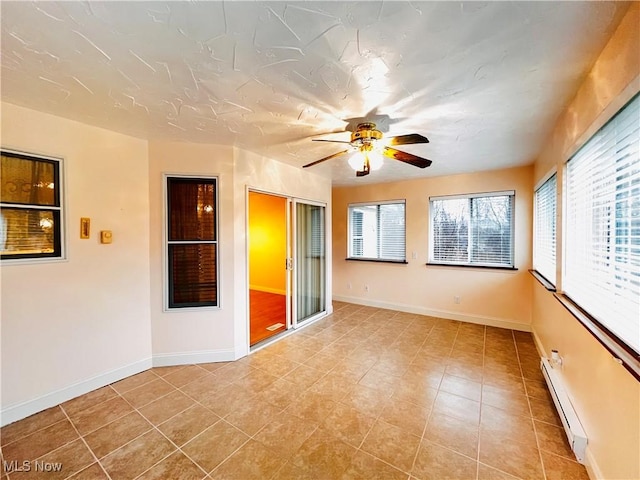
(357, 161)
(375, 160)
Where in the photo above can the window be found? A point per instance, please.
(602, 220)
(31, 212)
(192, 245)
(544, 230)
(377, 232)
(472, 230)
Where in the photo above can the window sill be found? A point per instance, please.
(622, 353)
(545, 283)
(376, 260)
(467, 265)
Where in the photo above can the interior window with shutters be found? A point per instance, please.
(602, 220)
(377, 231)
(192, 243)
(472, 230)
(544, 230)
(30, 207)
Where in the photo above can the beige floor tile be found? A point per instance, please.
(516, 458)
(434, 462)
(560, 468)
(514, 403)
(333, 386)
(324, 455)
(15, 431)
(391, 444)
(453, 433)
(348, 424)
(507, 426)
(137, 456)
(366, 467)
(134, 381)
(214, 445)
(99, 415)
(76, 405)
(366, 400)
(205, 385)
(147, 393)
(166, 407)
(544, 410)
(409, 416)
(285, 434)
(175, 467)
(40, 442)
(461, 387)
(251, 417)
(112, 436)
(162, 371)
(58, 464)
(252, 461)
(187, 424)
(456, 406)
(185, 375)
(488, 473)
(92, 472)
(553, 439)
(312, 407)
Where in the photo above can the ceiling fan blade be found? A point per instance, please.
(332, 141)
(325, 158)
(408, 139)
(406, 157)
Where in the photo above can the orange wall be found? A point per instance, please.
(605, 395)
(488, 296)
(267, 242)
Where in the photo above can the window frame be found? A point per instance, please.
(350, 237)
(470, 196)
(547, 280)
(167, 268)
(59, 211)
(623, 352)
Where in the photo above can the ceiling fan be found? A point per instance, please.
(368, 148)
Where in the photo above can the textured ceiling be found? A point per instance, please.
(484, 82)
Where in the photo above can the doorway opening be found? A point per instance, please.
(287, 264)
(267, 266)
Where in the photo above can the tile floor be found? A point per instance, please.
(362, 394)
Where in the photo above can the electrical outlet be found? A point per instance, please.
(414, 255)
(349, 286)
(456, 299)
(366, 288)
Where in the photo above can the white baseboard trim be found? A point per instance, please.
(188, 358)
(591, 465)
(259, 288)
(22, 410)
(462, 317)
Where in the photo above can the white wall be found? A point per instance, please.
(183, 336)
(74, 325)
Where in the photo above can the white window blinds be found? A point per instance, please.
(602, 254)
(473, 229)
(377, 231)
(544, 230)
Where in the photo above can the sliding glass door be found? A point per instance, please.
(309, 299)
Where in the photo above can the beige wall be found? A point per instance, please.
(73, 325)
(605, 395)
(490, 296)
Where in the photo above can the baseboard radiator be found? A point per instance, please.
(572, 427)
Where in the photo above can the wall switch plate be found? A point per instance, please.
(106, 236)
(85, 227)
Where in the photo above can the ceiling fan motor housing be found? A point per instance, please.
(366, 133)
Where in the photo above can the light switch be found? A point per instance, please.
(105, 236)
